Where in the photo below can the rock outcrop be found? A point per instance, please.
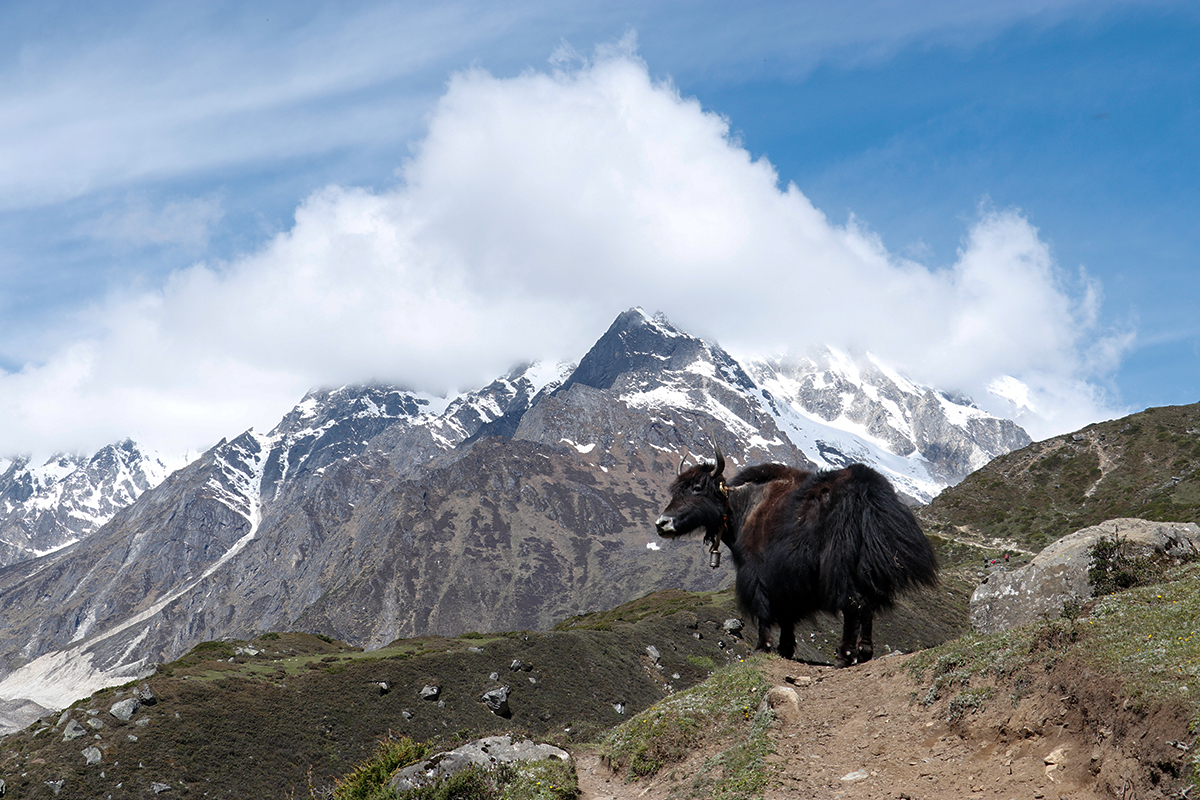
(488, 753)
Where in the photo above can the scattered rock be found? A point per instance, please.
(784, 703)
(124, 709)
(97, 724)
(73, 731)
(1054, 760)
(654, 654)
(489, 752)
(145, 695)
(383, 686)
(91, 754)
(55, 786)
(619, 708)
(857, 775)
(497, 701)
(431, 692)
(733, 626)
(159, 788)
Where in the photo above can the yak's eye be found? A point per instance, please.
(697, 489)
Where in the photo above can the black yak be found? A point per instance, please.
(803, 542)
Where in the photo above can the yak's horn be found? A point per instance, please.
(719, 467)
(683, 458)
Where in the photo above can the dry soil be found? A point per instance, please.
(860, 733)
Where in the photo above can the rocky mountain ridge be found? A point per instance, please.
(46, 507)
(371, 513)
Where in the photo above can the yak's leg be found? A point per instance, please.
(787, 638)
(764, 637)
(847, 653)
(753, 599)
(866, 647)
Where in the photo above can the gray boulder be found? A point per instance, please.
(1059, 574)
(92, 754)
(497, 701)
(73, 731)
(489, 752)
(124, 709)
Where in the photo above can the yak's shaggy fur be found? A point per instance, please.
(839, 541)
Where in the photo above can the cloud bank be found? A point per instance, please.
(533, 211)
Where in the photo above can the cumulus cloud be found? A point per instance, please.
(533, 211)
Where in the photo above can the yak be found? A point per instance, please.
(838, 541)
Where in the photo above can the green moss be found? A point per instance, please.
(723, 708)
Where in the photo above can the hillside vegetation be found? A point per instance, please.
(1146, 465)
(286, 712)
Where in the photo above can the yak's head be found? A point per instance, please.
(698, 500)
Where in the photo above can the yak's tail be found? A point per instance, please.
(876, 549)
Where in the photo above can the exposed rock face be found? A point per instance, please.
(1059, 574)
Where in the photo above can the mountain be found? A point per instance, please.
(48, 507)
(371, 512)
(936, 438)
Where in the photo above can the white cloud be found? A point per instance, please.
(137, 222)
(534, 210)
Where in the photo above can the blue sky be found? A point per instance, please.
(206, 211)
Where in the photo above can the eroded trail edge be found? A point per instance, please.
(866, 732)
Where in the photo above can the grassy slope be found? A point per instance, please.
(304, 711)
(1146, 465)
(257, 725)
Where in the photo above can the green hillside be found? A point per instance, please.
(1145, 465)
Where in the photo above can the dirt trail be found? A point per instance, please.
(856, 733)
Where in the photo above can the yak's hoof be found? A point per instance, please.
(864, 654)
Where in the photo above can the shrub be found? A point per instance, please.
(369, 780)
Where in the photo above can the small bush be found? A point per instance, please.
(1114, 568)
